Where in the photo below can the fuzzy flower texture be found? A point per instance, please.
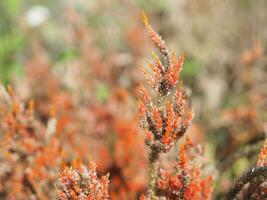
(167, 119)
(187, 180)
(82, 184)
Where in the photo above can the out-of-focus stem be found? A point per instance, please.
(257, 173)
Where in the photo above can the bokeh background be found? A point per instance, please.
(78, 60)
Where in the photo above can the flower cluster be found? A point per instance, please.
(168, 118)
(26, 165)
(186, 181)
(82, 184)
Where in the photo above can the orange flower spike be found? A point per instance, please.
(173, 64)
(156, 38)
(188, 119)
(92, 167)
(152, 67)
(156, 72)
(66, 178)
(168, 76)
(158, 63)
(182, 161)
(180, 88)
(82, 183)
(145, 95)
(207, 188)
(157, 117)
(105, 183)
(179, 100)
(141, 109)
(174, 59)
(170, 120)
(148, 77)
(262, 159)
(149, 136)
(177, 68)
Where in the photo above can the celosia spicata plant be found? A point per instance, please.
(166, 119)
(82, 184)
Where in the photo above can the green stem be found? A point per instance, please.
(153, 173)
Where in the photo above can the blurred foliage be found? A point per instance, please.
(102, 93)
(12, 40)
(191, 69)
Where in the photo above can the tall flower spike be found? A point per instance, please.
(156, 38)
(162, 120)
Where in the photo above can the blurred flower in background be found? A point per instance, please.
(36, 15)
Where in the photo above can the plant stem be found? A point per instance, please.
(256, 173)
(153, 173)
